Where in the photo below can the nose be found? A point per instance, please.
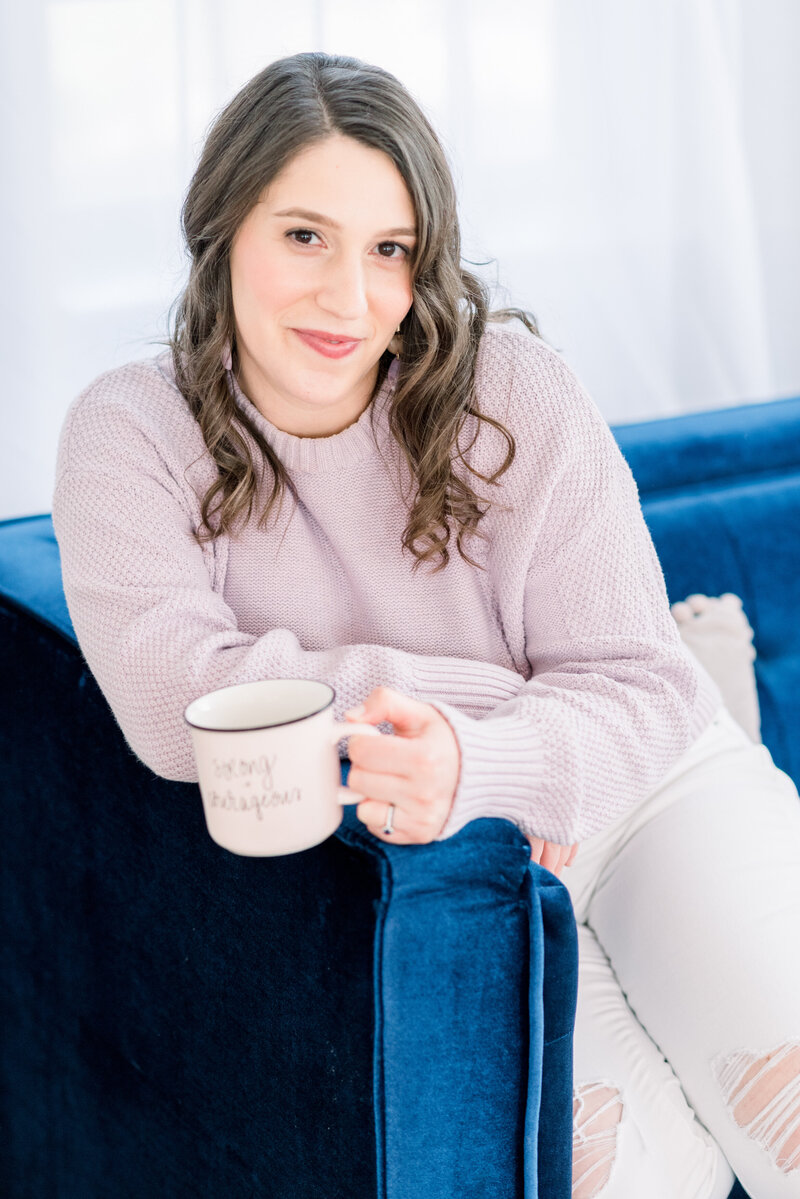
(343, 290)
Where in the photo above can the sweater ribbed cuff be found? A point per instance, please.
(502, 766)
(475, 688)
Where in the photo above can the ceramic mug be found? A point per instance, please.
(267, 764)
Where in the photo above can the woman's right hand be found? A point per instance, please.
(552, 856)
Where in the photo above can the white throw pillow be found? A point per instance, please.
(716, 630)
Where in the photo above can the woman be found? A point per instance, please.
(330, 345)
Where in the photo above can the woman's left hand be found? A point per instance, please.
(551, 855)
(417, 769)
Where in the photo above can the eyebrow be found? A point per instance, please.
(318, 218)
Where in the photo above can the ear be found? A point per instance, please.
(395, 346)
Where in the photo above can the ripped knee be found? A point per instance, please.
(763, 1095)
(596, 1113)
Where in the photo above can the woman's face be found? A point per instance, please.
(326, 248)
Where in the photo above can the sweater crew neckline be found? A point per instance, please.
(339, 451)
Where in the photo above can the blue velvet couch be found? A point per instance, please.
(353, 1021)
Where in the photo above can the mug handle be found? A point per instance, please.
(345, 729)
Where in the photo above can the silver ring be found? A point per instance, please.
(387, 828)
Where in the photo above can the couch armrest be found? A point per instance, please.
(475, 990)
(179, 1020)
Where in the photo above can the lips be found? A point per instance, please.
(321, 335)
(326, 343)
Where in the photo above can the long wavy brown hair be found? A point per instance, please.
(294, 102)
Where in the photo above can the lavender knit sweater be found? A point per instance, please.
(559, 667)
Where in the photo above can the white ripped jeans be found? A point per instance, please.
(687, 1037)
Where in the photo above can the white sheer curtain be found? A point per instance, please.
(631, 170)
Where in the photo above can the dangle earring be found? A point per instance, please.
(396, 344)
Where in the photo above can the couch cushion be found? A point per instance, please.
(671, 455)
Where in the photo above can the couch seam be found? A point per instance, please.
(372, 848)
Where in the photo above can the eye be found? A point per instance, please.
(301, 233)
(405, 252)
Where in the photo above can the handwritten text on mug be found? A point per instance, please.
(247, 803)
(243, 768)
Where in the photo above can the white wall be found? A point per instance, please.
(633, 169)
